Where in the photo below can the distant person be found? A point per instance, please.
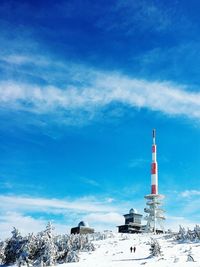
(131, 249)
(134, 249)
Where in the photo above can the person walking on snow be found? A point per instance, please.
(134, 249)
(131, 249)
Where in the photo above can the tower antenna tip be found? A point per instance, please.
(154, 133)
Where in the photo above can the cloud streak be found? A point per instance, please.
(99, 89)
(21, 212)
(26, 224)
(190, 193)
(53, 206)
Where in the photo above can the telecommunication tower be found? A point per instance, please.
(155, 215)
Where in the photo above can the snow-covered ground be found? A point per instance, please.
(115, 251)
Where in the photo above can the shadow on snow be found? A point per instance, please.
(139, 259)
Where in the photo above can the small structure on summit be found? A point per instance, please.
(132, 222)
(82, 228)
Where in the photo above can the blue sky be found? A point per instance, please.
(82, 85)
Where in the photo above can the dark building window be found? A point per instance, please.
(129, 220)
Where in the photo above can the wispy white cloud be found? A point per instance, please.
(190, 193)
(88, 90)
(21, 212)
(110, 199)
(18, 59)
(54, 206)
(91, 182)
(97, 90)
(26, 224)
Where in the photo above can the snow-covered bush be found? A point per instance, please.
(190, 256)
(72, 256)
(155, 249)
(100, 235)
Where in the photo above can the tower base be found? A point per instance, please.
(155, 215)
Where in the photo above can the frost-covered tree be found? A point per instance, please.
(48, 249)
(44, 248)
(2, 252)
(188, 235)
(155, 249)
(13, 247)
(181, 233)
(197, 232)
(23, 256)
(63, 248)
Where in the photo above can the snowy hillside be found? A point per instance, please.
(115, 251)
(101, 249)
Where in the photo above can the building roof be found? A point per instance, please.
(83, 224)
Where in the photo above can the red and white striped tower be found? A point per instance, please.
(154, 167)
(155, 214)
